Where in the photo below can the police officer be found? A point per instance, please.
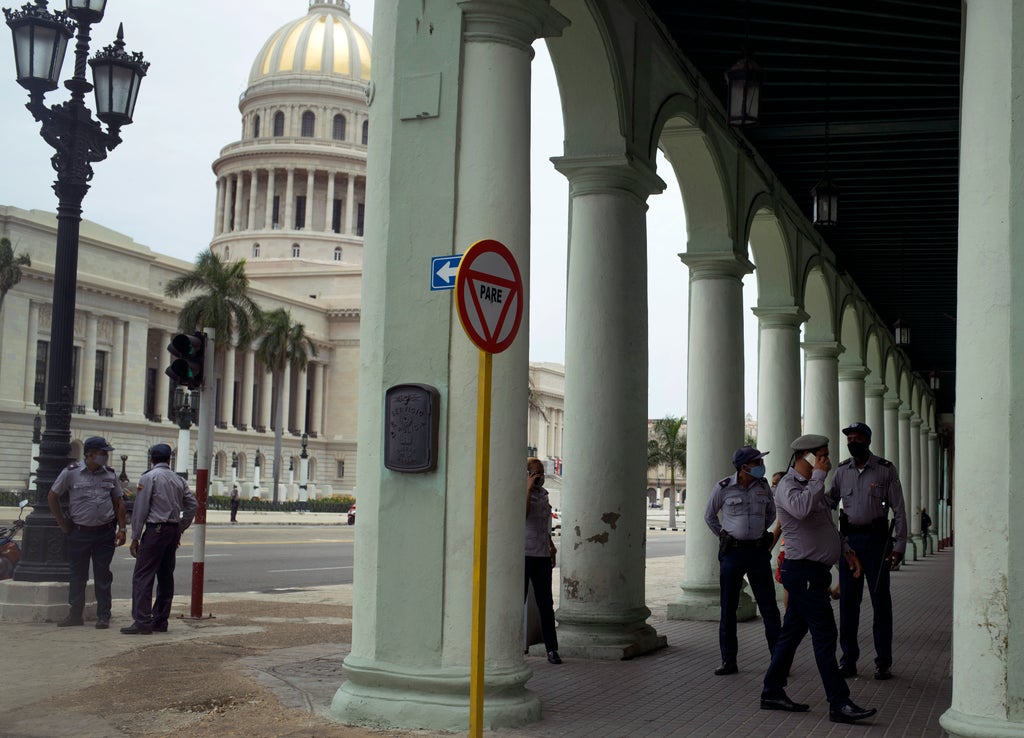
(164, 509)
(813, 546)
(869, 488)
(745, 504)
(94, 504)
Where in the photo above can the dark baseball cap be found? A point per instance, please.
(746, 455)
(160, 450)
(857, 427)
(96, 443)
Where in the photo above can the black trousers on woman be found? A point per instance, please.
(538, 571)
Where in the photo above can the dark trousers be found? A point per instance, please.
(538, 572)
(234, 511)
(756, 565)
(155, 560)
(96, 546)
(809, 609)
(871, 550)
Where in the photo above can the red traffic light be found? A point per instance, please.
(188, 350)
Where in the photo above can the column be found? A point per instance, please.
(874, 410)
(933, 487)
(238, 225)
(136, 344)
(163, 383)
(778, 382)
(245, 421)
(227, 404)
(218, 215)
(350, 205)
(225, 213)
(289, 201)
(87, 381)
(31, 347)
(411, 665)
(714, 413)
(602, 611)
(301, 384)
(329, 208)
(852, 406)
(254, 185)
(892, 432)
(906, 469)
(914, 509)
(821, 391)
(318, 399)
(115, 380)
(266, 381)
(310, 180)
(286, 401)
(268, 216)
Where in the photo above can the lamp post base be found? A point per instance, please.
(44, 551)
(33, 602)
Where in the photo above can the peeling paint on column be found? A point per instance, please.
(601, 538)
(571, 588)
(610, 519)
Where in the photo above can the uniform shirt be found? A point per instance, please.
(806, 517)
(89, 493)
(866, 491)
(163, 497)
(746, 511)
(538, 524)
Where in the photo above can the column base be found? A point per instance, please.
(703, 602)
(379, 695)
(607, 636)
(33, 602)
(962, 725)
(914, 543)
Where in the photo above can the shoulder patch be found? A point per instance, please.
(73, 465)
(724, 482)
(884, 462)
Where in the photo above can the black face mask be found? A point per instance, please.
(858, 450)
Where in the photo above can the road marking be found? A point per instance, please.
(311, 542)
(322, 568)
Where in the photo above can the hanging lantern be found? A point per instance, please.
(743, 95)
(901, 332)
(826, 202)
(933, 381)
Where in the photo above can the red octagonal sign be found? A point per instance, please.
(489, 294)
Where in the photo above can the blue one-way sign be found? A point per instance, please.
(443, 270)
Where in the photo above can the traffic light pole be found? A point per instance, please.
(204, 453)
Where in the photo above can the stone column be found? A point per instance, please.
(318, 399)
(892, 432)
(714, 415)
(933, 487)
(163, 383)
(602, 611)
(227, 387)
(289, 201)
(218, 215)
(852, 405)
(238, 225)
(821, 391)
(301, 387)
(115, 383)
(778, 382)
(350, 205)
(268, 219)
(136, 344)
(266, 380)
(906, 468)
(87, 384)
(254, 185)
(874, 410)
(310, 180)
(914, 509)
(31, 349)
(248, 372)
(286, 403)
(329, 208)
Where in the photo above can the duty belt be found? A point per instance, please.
(875, 527)
(103, 526)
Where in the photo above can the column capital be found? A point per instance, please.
(932, 435)
(788, 316)
(853, 373)
(905, 414)
(590, 175)
(915, 420)
(893, 403)
(822, 349)
(516, 23)
(875, 390)
(716, 265)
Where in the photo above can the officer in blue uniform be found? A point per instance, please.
(744, 501)
(869, 488)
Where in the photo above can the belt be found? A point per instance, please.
(104, 526)
(161, 524)
(755, 543)
(876, 526)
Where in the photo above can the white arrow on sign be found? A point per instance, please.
(447, 272)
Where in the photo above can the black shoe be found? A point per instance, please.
(554, 658)
(882, 673)
(102, 623)
(69, 621)
(847, 671)
(783, 703)
(726, 669)
(160, 628)
(134, 629)
(850, 713)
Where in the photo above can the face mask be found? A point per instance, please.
(101, 459)
(857, 450)
(757, 472)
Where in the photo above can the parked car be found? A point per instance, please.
(556, 521)
(352, 515)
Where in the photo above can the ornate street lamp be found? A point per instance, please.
(40, 40)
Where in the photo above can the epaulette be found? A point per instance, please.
(884, 462)
(73, 465)
(724, 482)
(844, 463)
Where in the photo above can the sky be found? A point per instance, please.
(158, 187)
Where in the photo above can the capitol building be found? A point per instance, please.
(289, 199)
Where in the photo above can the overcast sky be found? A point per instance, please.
(158, 186)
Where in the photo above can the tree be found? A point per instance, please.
(668, 448)
(10, 268)
(222, 302)
(284, 344)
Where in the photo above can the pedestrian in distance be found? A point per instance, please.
(926, 523)
(235, 499)
(164, 509)
(94, 505)
(739, 513)
(813, 547)
(868, 488)
(540, 554)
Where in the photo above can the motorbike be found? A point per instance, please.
(10, 551)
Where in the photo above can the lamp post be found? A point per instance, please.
(186, 412)
(234, 468)
(256, 476)
(40, 40)
(304, 475)
(37, 429)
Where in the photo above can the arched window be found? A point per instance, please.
(312, 469)
(241, 465)
(256, 127)
(255, 251)
(295, 251)
(337, 253)
(227, 253)
(278, 123)
(366, 132)
(218, 464)
(308, 124)
(338, 130)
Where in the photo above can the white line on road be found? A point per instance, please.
(322, 568)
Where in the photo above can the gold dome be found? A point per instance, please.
(323, 42)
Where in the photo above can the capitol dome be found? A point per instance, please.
(325, 42)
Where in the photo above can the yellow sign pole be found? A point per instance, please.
(483, 460)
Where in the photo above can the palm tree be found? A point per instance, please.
(668, 447)
(284, 344)
(222, 302)
(10, 268)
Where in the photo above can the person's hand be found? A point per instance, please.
(823, 463)
(895, 558)
(531, 479)
(119, 538)
(134, 548)
(854, 563)
(65, 527)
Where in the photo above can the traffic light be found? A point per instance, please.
(187, 365)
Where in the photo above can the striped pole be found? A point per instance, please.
(204, 452)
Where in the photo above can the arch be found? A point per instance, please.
(308, 124)
(771, 254)
(278, 124)
(337, 253)
(241, 465)
(256, 126)
(873, 357)
(338, 127)
(312, 468)
(817, 299)
(227, 253)
(851, 335)
(366, 132)
(219, 464)
(296, 250)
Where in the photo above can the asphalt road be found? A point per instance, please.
(269, 558)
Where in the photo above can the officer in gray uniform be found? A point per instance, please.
(164, 508)
(869, 488)
(813, 546)
(744, 501)
(94, 503)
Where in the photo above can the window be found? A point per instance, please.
(336, 216)
(227, 253)
(337, 253)
(97, 385)
(255, 251)
(341, 468)
(39, 393)
(295, 251)
(366, 132)
(218, 465)
(278, 123)
(256, 127)
(308, 124)
(300, 212)
(338, 129)
(275, 216)
(360, 212)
